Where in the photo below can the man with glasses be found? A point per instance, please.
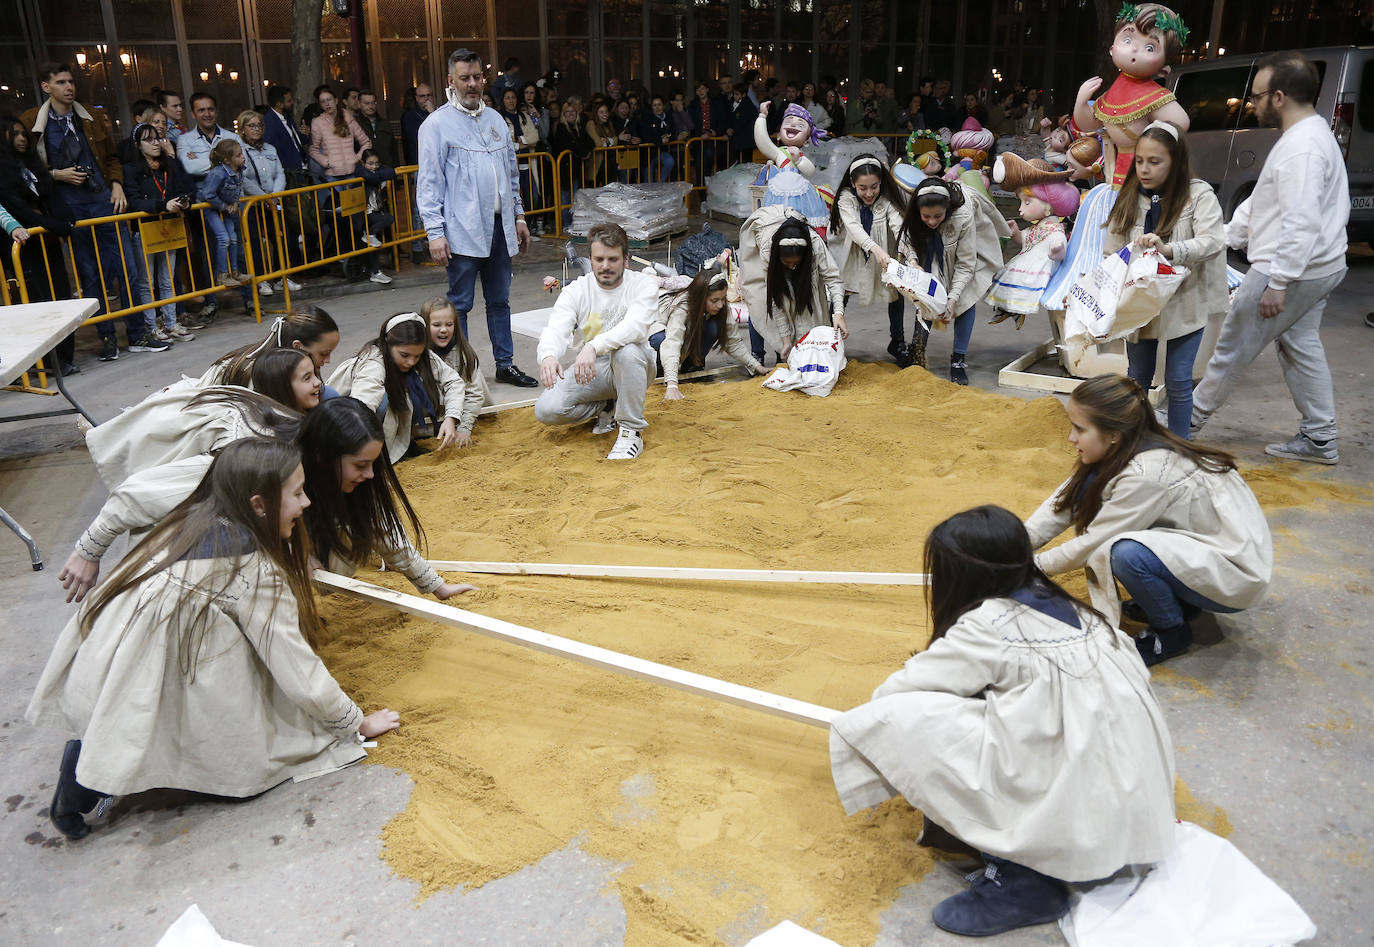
(411, 121)
(1292, 227)
(469, 196)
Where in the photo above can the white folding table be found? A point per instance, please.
(29, 332)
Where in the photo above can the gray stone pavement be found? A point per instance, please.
(1272, 715)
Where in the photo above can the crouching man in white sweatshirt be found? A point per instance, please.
(604, 317)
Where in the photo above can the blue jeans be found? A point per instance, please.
(709, 336)
(225, 227)
(100, 257)
(963, 330)
(1179, 355)
(495, 272)
(1154, 588)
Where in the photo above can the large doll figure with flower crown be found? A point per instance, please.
(1147, 39)
(788, 173)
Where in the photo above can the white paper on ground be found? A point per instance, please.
(193, 929)
(1205, 894)
(530, 324)
(788, 934)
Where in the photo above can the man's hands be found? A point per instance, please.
(522, 235)
(117, 199)
(549, 372)
(69, 176)
(438, 250)
(584, 368)
(1271, 302)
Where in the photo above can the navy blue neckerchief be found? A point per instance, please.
(1047, 603)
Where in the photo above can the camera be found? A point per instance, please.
(91, 182)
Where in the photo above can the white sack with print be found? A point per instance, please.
(813, 365)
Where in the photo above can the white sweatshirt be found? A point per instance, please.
(608, 319)
(1293, 224)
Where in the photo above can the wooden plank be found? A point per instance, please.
(1016, 375)
(687, 574)
(614, 661)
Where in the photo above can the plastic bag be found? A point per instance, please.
(646, 211)
(1205, 894)
(1151, 282)
(1091, 308)
(813, 365)
(923, 289)
(727, 192)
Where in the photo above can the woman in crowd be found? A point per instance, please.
(336, 139)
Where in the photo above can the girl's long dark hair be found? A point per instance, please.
(29, 159)
(793, 285)
(1173, 195)
(265, 414)
(887, 188)
(980, 554)
(272, 372)
(356, 526)
(305, 324)
(946, 194)
(406, 332)
(218, 521)
(467, 355)
(1116, 404)
(697, 293)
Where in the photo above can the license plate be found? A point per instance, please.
(1362, 203)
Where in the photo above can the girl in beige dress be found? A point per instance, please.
(192, 666)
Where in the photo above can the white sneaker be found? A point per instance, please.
(380, 277)
(372, 241)
(605, 421)
(180, 333)
(628, 445)
(265, 288)
(162, 335)
(292, 284)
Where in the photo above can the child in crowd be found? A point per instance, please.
(790, 281)
(939, 234)
(697, 319)
(1026, 729)
(212, 609)
(398, 376)
(1173, 522)
(154, 183)
(222, 188)
(378, 217)
(447, 341)
(865, 222)
(288, 377)
(1179, 216)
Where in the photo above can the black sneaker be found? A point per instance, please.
(69, 368)
(109, 350)
(958, 370)
(148, 344)
(1160, 644)
(71, 800)
(514, 376)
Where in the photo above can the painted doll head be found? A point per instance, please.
(798, 128)
(1148, 39)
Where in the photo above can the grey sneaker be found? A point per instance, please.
(1303, 447)
(605, 421)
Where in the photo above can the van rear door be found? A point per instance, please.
(1356, 111)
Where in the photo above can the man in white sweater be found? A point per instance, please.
(604, 317)
(1293, 230)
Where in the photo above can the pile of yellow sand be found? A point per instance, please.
(714, 810)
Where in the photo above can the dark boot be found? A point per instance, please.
(71, 800)
(1001, 898)
(958, 368)
(917, 349)
(1160, 644)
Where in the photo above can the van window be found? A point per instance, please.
(1364, 106)
(1213, 98)
(1248, 120)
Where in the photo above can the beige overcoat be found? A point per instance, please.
(1024, 736)
(364, 378)
(1207, 528)
(782, 329)
(853, 247)
(259, 709)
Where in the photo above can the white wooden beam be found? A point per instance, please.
(614, 661)
(681, 573)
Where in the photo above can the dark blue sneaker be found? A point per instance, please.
(1002, 897)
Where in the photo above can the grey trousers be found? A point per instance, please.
(1296, 334)
(624, 375)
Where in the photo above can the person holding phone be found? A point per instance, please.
(155, 183)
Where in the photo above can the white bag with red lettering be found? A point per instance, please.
(813, 365)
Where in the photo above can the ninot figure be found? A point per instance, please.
(1046, 200)
(789, 171)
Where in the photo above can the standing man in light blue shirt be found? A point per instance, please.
(468, 194)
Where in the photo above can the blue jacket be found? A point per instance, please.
(221, 187)
(468, 175)
(275, 133)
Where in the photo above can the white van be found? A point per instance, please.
(1228, 149)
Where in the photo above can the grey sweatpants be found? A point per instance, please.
(624, 375)
(1296, 334)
